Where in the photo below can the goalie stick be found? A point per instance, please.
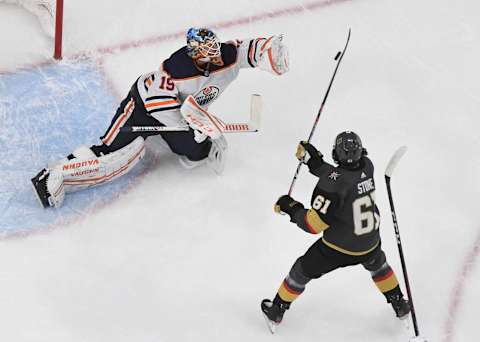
(338, 58)
(190, 112)
(388, 174)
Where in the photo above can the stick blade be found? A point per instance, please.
(256, 105)
(394, 160)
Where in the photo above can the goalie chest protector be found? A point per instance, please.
(189, 80)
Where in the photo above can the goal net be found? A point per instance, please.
(50, 16)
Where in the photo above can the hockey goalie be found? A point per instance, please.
(179, 93)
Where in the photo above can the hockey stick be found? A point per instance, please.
(388, 174)
(252, 126)
(338, 58)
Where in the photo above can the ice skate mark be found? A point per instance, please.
(456, 297)
(296, 10)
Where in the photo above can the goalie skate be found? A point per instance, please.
(39, 184)
(215, 159)
(48, 188)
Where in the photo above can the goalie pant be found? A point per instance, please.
(118, 153)
(132, 112)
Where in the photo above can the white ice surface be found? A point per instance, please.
(187, 255)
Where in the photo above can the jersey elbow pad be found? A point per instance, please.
(313, 222)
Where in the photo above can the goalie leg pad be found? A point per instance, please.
(86, 169)
(56, 188)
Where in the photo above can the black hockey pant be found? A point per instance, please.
(131, 112)
(321, 259)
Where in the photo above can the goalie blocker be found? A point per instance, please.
(208, 124)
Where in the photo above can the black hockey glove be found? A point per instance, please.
(288, 205)
(309, 155)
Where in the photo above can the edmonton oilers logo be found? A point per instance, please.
(206, 95)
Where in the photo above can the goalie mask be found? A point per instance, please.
(203, 45)
(347, 150)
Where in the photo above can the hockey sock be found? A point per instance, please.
(293, 285)
(385, 279)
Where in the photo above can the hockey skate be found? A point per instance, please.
(48, 187)
(273, 313)
(401, 307)
(39, 183)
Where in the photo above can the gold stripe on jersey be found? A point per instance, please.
(314, 222)
(345, 251)
(286, 293)
(387, 282)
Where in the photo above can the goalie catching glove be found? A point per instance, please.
(273, 55)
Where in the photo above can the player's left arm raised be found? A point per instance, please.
(269, 54)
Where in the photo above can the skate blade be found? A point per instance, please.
(272, 326)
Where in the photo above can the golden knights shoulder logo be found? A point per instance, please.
(206, 95)
(334, 175)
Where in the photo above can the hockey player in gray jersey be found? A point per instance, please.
(202, 69)
(343, 209)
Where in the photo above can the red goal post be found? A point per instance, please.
(58, 29)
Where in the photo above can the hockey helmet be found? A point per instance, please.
(347, 149)
(203, 44)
